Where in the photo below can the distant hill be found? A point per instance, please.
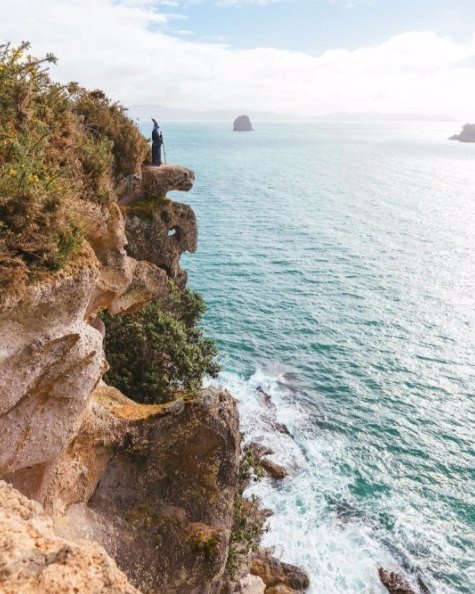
(145, 112)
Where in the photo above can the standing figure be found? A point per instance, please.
(157, 141)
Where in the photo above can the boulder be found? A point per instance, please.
(276, 574)
(395, 583)
(273, 469)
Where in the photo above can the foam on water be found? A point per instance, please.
(310, 525)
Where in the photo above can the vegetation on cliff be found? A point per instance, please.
(158, 350)
(248, 517)
(60, 146)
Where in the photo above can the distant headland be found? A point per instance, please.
(467, 134)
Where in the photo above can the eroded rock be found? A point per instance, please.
(34, 559)
(279, 577)
(160, 231)
(165, 479)
(155, 183)
(395, 583)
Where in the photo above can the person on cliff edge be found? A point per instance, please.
(157, 141)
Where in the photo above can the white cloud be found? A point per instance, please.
(122, 48)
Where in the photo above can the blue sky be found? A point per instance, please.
(317, 25)
(303, 57)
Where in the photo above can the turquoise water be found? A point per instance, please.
(337, 262)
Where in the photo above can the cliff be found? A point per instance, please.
(467, 134)
(102, 493)
(154, 484)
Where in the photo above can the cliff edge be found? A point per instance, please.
(100, 492)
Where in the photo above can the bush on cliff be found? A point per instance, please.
(60, 146)
(158, 350)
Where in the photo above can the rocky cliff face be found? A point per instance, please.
(34, 559)
(153, 484)
(152, 488)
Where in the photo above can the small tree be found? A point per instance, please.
(158, 350)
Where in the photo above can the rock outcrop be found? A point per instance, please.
(153, 484)
(259, 454)
(170, 532)
(158, 229)
(243, 124)
(467, 134)
(395, 583)
(152, 488)
(34, 559)
(278, 577)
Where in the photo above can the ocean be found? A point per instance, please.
(337, 264)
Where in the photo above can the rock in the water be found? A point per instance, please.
(252, 584)
(258, 452)
(467, 134)
(34, 559)
(394, 582)
(243, 124)
(274, 470)
(283, 577)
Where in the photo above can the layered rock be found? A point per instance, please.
(467, 134)
(278, 577)
(34, 559)
(395, 583)
(153, 484)
(158, 229)
(243, 124)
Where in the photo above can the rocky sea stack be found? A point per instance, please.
(467, 134)
(243, 124)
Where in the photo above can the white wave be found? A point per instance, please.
(339, 551)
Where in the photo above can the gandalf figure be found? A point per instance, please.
(157, 141)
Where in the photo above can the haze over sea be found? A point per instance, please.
(337, 263)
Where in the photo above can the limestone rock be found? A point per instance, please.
(165, 479)
(243, 124)
(155, 183)
(467, 134)
(259, 454)
(273, 469)
(51, 359)
(395, 583)
(282, 577)
(252, 584)
(34, 559)
(160, 231)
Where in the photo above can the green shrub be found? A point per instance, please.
(158, 350)
(59, 147)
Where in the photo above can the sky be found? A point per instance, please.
(303, 57)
